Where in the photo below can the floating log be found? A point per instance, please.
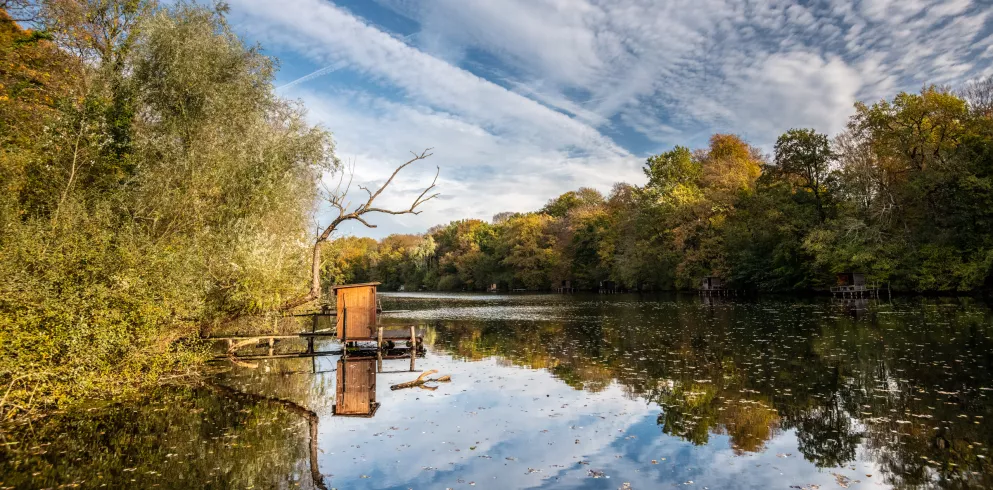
(421, 380)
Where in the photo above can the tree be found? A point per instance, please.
(562, 205)
(338, 199)
(805, 156)
(101, 32)
(672, 168)
(979, 95)
(149, 193)
(529, 251)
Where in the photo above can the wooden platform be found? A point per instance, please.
(386, 340)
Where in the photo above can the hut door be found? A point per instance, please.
(357, 308)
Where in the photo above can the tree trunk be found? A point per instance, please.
(315, 282)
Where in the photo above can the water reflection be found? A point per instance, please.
(564, 391)
(170, 438)
(355, 393)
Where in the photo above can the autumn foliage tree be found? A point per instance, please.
(903, 194)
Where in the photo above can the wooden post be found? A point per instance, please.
(272, 344)
(379, 352)
(413, 346)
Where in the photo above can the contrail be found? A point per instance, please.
(310, 76)
(327, 69)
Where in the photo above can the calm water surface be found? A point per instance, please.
(570, 392)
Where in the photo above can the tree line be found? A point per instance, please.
(904, 195)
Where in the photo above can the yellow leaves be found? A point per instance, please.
(730, 165)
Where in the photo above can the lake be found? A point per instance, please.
(569, 392)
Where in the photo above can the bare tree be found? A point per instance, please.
(338, 199)
(19, 11)
(979, 94)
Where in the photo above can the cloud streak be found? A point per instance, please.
(525, 99)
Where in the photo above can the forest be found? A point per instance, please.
(153, 186)
(904, 195)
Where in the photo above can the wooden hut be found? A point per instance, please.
(714, 286)
(357, 309)
(711, 283)
(851, 279)
(854, 285)
(355, 393)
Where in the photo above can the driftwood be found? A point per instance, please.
(421, 380)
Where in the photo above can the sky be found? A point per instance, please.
(522, 100)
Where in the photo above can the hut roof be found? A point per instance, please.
(346, 286)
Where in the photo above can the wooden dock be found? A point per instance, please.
(387, 339)
(858, 291)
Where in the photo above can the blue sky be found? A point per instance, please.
(525, 99)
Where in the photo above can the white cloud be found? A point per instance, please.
(694, 59)
(327, 33)
(563, 73)
(482, 173)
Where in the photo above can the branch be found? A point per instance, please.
(372, 197)
(337, 199)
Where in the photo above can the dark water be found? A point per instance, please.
(597, 392)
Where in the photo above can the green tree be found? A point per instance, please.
(805, 156)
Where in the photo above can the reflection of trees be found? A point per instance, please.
(826, 435)
(171, 438)
(839, 381)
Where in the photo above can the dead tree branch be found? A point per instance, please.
(339, 201)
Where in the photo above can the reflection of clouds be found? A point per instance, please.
(491, 407)
(772, 400)
(422, 439)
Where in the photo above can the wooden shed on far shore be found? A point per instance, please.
(357, 308)
(711, 283)
(851, 279)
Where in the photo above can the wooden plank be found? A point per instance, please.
(282, 356)
(358, 285)
(286, 336)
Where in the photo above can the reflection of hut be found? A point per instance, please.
(356, 311)
(355, 393)
(853, 285)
